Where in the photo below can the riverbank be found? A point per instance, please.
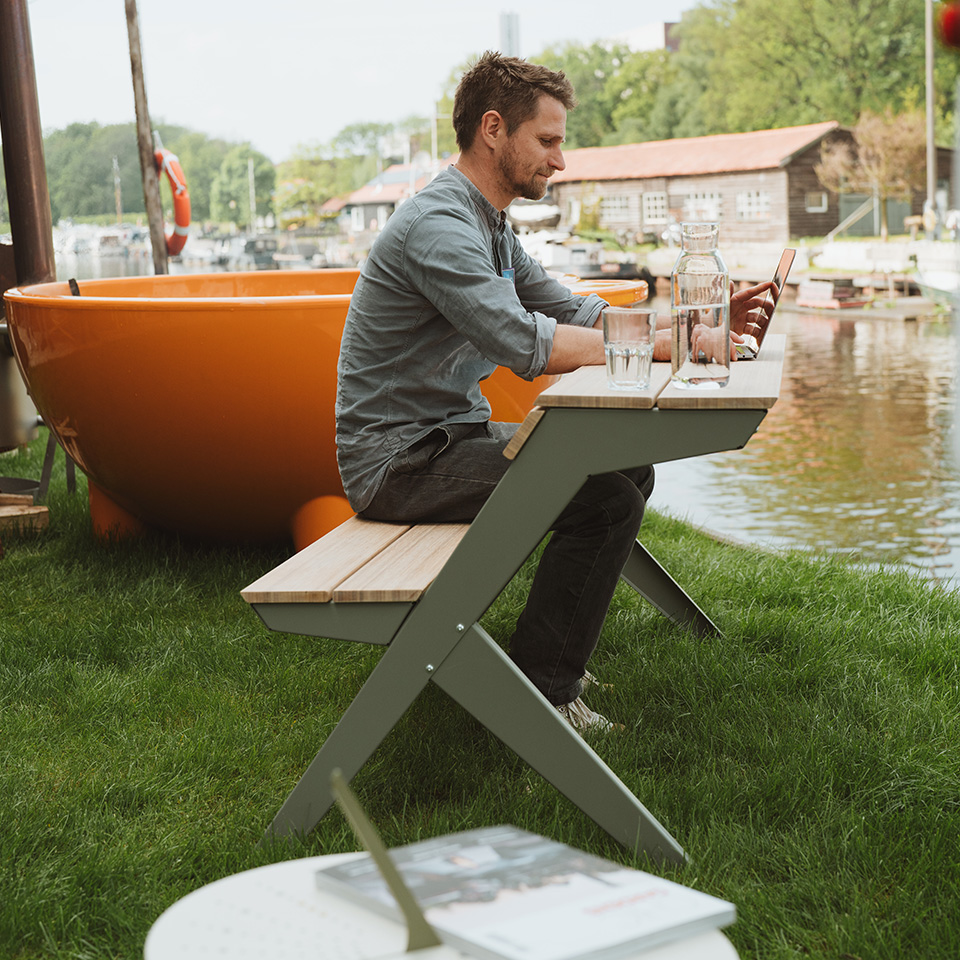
(152, 727)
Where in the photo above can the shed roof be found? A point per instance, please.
(692, 156)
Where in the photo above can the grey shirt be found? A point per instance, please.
(446, 295)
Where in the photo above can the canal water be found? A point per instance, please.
(856, 458)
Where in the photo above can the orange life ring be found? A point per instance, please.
(169, 163)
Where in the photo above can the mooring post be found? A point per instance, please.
(148, 164)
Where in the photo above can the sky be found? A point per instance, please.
(279, 73)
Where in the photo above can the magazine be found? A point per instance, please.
(505, 894)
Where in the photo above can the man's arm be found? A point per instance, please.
(575, 347)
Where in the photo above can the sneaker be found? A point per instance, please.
(583, 719)
(589, 680)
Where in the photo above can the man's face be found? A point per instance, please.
(531, 153)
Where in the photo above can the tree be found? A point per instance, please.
(446, 136)
(695, 99)
(312, 176)
(79, 161)
(889, 160)
(230, 190)
(590, 70)
(639, 91)
(802, 61)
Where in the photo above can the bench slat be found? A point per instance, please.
(311, 575)
(523, 432)
(405, 568)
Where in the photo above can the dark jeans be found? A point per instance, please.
(447, 477)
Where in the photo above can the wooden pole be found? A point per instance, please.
(26, 174)
(148, 166)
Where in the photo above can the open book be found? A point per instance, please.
(505, 894)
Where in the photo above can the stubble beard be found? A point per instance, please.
(533, 189)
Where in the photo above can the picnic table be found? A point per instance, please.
(422, 589)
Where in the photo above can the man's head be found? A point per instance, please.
(508, 85)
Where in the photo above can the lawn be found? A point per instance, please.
(150, 727)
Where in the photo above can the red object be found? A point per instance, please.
(169, 164)
(950, 24)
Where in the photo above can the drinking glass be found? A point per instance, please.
(628, 335)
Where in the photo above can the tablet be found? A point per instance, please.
(750, 347)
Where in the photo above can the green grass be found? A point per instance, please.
(150, 727)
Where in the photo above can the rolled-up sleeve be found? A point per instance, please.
(451, 262)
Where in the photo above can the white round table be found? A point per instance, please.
(277, 913)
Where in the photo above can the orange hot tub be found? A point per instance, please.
(203, 404)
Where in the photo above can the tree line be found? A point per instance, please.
(740, 65)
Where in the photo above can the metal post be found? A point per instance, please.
(27, 195)
(930, 206)
(253, 197)
(148, 166)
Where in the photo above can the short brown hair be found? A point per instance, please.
(510, 86)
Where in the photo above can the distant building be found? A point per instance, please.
(760, 185)
(369, 208)
(651, 36)
(510, 34)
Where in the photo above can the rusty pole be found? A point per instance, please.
(27, 195)
(148, 166)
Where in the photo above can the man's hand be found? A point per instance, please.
(707, 342)
(751, 308)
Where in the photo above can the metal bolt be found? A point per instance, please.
(461, 627)
(430, 668)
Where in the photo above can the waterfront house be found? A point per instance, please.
(761, 185)
(368, 208)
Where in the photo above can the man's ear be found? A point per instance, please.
(492, 128)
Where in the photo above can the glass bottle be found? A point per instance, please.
(700, 311)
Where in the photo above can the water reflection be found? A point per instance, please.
(127, 262)
(855, 458)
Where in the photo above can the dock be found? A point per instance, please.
(852, 280)
(909, 308)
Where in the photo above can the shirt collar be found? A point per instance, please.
(495, 218)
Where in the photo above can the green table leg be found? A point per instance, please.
(483, 679)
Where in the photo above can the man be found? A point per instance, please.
(446, 295)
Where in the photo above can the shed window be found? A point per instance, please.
(702, 206)
(753, 205)
(816, 202)
(614, 210)
(655, 207)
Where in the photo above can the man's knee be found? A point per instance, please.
(644, 479)
(616, 497)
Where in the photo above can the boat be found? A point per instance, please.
(587, 259)
(938, 272)
(247, 253)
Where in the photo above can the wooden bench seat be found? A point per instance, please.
(362, 561)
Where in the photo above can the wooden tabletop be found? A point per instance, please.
(753, 385)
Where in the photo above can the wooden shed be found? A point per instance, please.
(761, 185)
